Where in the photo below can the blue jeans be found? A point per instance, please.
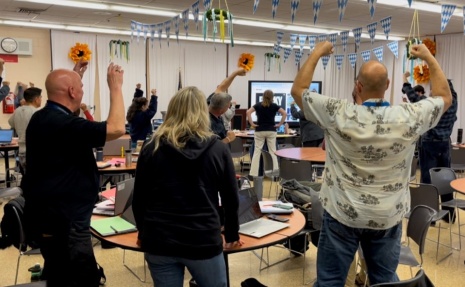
(337, 247)
(168, 271)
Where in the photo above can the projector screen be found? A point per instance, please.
(282, 96)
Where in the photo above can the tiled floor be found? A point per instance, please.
(450, 272)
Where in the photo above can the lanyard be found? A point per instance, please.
(56, 107)
(376, 104)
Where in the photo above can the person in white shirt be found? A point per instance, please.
(369, 147)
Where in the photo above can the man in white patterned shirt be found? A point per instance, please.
(365, 191)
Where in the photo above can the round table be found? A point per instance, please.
(459, 185)
(313, 154)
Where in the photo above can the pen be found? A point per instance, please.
(114, 229)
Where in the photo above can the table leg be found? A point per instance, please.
(7, 168)
(226, 262)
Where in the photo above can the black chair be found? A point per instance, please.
(270, 171)
(295, 169)
(457, 157)
(420, 280)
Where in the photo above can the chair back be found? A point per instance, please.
(441, 178)
(237, 148)
(420, 280)
(285, 145)
(413, 169)
(424, 194)
(268, 167)
(418, 224)
(295, 169)
(457, 156)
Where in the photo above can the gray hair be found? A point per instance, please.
(220, 101)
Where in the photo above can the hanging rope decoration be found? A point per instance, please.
(80, 51)
(246, 61)
(120, 49)
(421, 72)
(215, 15)
(273, 59)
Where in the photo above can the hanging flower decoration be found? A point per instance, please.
(431, 45)
(79, 51)
(246, 61)
(119, 49)
(221, 16)
(421, 74)
(273, 58)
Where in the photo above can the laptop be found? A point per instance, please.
(114, 147)
(5, 137)
(123, 193)
(251, 222)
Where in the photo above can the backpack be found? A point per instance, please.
(9, 226)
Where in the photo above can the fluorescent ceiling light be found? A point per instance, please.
(308, 29)
(33, 24)
(258, 24)
(145, 11)
(77, 4)
(429, 7)
(93, 30)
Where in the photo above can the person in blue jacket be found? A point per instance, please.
(139, 117)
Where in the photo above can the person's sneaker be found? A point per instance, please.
(251, 282)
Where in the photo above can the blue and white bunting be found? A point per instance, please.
(322, 38)
(139, 28)
(287, 53)
(145, 29)
(409, 3)
(341, 6)
(160, 31)
(195, 12)
(352, 59)
(298, 56)
(372, 31)
(185, 20)
(276, 49)
(339, 59)
(386, 24)
(176, 27)
(207, 4)
(133, 27)
(379, 53)
(366, 55)
(311, 42)
(279, 37)
(357, 36)
(325, 60)
(255, 5)
(316, 9)
(344, 39)
(294, 7)
(274, 7)
(394, 47)
(167, 31)
(333, 38)
(292, 40)
(372, 4)
(153, 27)
(446, 14)
(302, 41)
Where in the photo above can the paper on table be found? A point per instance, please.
(112, 225)
(110, 194)
(267, 207)
(106, 205)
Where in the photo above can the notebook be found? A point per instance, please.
(6, 136)
(122, 194)
(112, 226)
(251, 222)
(114, 147)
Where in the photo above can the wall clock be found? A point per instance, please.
(9, 45)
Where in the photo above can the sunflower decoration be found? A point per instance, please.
(421, 74)
(246, 61)
(431, 45)
(80, 51)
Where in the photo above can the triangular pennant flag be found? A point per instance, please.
(302, 40)
(195, 12)
(153, 27)
(333, 38)
(139, 28)
(311, 42)
(279, 37)
(316, 9)
(185, 20)
(446, 14)
(207, 4)
(133, 27)
(176, 27)
(394, 47)
(344, 39)
(339, 59)
(379, 53)
(274, 7)
(255, 5)
(322, 38)
(341, 6)
(292, 40)
(160, 31)
(294, 7)
(386, 24)
(366, 55)
(145, 29)
(352, 59)
(287, 53)
(298, 56)
(372, 4)
(357, 36)
(276, 49)
(372, 31)
(167, 31)
(409, 3)
(325, 60)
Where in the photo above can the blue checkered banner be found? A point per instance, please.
(176, 27)
(311, 42)
(298, 56)
(255, 5)
(195, 12)
(379, 53)
(145, 29)
(279, 37)
(207, 4)
(185, 20)
(167, 31)
(366, 55)
(160, 31)
(341, 6)
(446, 14)
(316, 9)
(294, 8)
(352, 59)
(302, 41)
(372, 31)
(274, 7)
(357, 36)
(276, 49)
(322, 38)
(287, 53)
(292, 40)
(394, 47)
(409, 3)
(333, 38)
(325, 60)
(344, 39)
(153, 27)
(372, 4)
(133, 28)
(339, 59)
(386, 24)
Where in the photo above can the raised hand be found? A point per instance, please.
(81, 67)
(421, 51)
(324, 48)
(115, 76)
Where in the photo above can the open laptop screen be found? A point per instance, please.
(124, 191)
(249, 208)
(6, 136)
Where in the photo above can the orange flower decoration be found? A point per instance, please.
(421, 76)
(431, 45)
(80, 51)
(246, 61)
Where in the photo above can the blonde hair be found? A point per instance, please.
(267, 98)
(186, 118)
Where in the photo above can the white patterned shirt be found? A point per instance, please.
(369, 150)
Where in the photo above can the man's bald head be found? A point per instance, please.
(373, 78)
(64, 87)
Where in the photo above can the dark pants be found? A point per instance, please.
(435, 154)
(69, 260)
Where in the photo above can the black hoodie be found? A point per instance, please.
(176, 199)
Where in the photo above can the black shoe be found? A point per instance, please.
(251, 282)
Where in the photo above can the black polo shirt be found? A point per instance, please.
(217, 126)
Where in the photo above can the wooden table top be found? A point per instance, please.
(458, 184)
(120, 169)
(245, 135)
(11, 146)
(315, 154)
